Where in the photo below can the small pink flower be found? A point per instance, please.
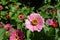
(1, 25)
(49, 21)
(8, 28)
(53, 11)
(17, 35)
(35, 22)
(21, 16)
(1, 7)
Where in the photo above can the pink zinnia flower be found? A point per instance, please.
(1, 7)
(17, 35)
(53, 11)
(1, 25)
(21, 16)
(8, 28)
(35, 22)
(49, 21)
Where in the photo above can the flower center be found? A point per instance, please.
(20, 16)
(7, 29)
(34, 22)
(16, 37)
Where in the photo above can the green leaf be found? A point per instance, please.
(59, 38)
(13, 9)
(19, 26)
(3, 2)
(45, 7)
(45, 15)
(15, 1)
(58, 16)
(10, 14)
(57, 6)
(3, 13)
(2, 33)
(49, 31)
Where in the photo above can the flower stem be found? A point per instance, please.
(28, 34)
(56, 34)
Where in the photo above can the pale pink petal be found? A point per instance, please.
(49, 21)
(29, 26)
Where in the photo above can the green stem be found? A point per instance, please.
(28, 34)
(56, 33)
(45, 1)
(49, 1)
